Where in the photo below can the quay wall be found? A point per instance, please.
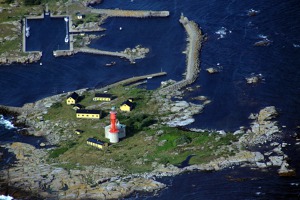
(130, 13)
(132, 80)
(194, 38)
(36, 17)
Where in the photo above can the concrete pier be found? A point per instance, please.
(130, 13)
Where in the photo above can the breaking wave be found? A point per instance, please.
(3, 197)
(222, 32)
(6, 123)
(296, 45)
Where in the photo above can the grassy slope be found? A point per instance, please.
(140, 148)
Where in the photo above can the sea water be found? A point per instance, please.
(231, 34)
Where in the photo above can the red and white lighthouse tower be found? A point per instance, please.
(113, 122)
(115, 130)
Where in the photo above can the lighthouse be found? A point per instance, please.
(113, 121)
(115, 130)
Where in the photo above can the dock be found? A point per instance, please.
(132, 80)
(130, 13)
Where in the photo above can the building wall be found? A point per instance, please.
(87, 116)
(101, 99)
(99, 146)
(125, 108)
(70, 101)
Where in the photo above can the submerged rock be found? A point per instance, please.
(284, 171)
(262, 43)
(253, 79)
(212, 70)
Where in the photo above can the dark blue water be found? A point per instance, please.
(232, 99)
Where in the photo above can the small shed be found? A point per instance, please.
(127, 105)
(72, 98)
(96, 143)
(79, 15)
(78, 132)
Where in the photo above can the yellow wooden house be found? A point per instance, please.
(127, 105)
(88, 114)
(96, 143)
(72, 98)
(78, 132)
(102, 97)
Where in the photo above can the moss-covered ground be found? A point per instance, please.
(147, 140)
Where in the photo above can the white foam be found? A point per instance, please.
(222, 32)
(6, 123)
(263, 36)
(296, 45)
(2, 197)
(252, 12)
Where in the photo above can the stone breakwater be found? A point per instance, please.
(15, 58)
(195, 39)
(131, 54)
(130, 13)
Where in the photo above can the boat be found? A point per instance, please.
(121, 28)
(66, 19)
(66, 39)
(110, 64)
(41, 64)
(27, 34)
(27, 29)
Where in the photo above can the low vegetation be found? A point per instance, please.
(147, 141)
(15, 10)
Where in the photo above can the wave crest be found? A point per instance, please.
(6, 123)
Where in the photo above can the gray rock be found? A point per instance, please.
(276, 160)
(212, 70)
(259, 156)
(261, 165)
(267, 114)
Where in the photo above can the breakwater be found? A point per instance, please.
(194, 38)
(132, 80)
(107, 53)
(131, 54)
(130, 13)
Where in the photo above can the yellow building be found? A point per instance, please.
(102, 97)
(96, 143)
(79, 15)
(72, 98)
(88, 114)
(127, 105)
(78, 132)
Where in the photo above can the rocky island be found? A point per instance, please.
(63, 166)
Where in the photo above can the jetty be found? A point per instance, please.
(130, 13)
(139, 53)
(132, 80)
(195, 39)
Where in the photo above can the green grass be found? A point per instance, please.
(140, 148)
